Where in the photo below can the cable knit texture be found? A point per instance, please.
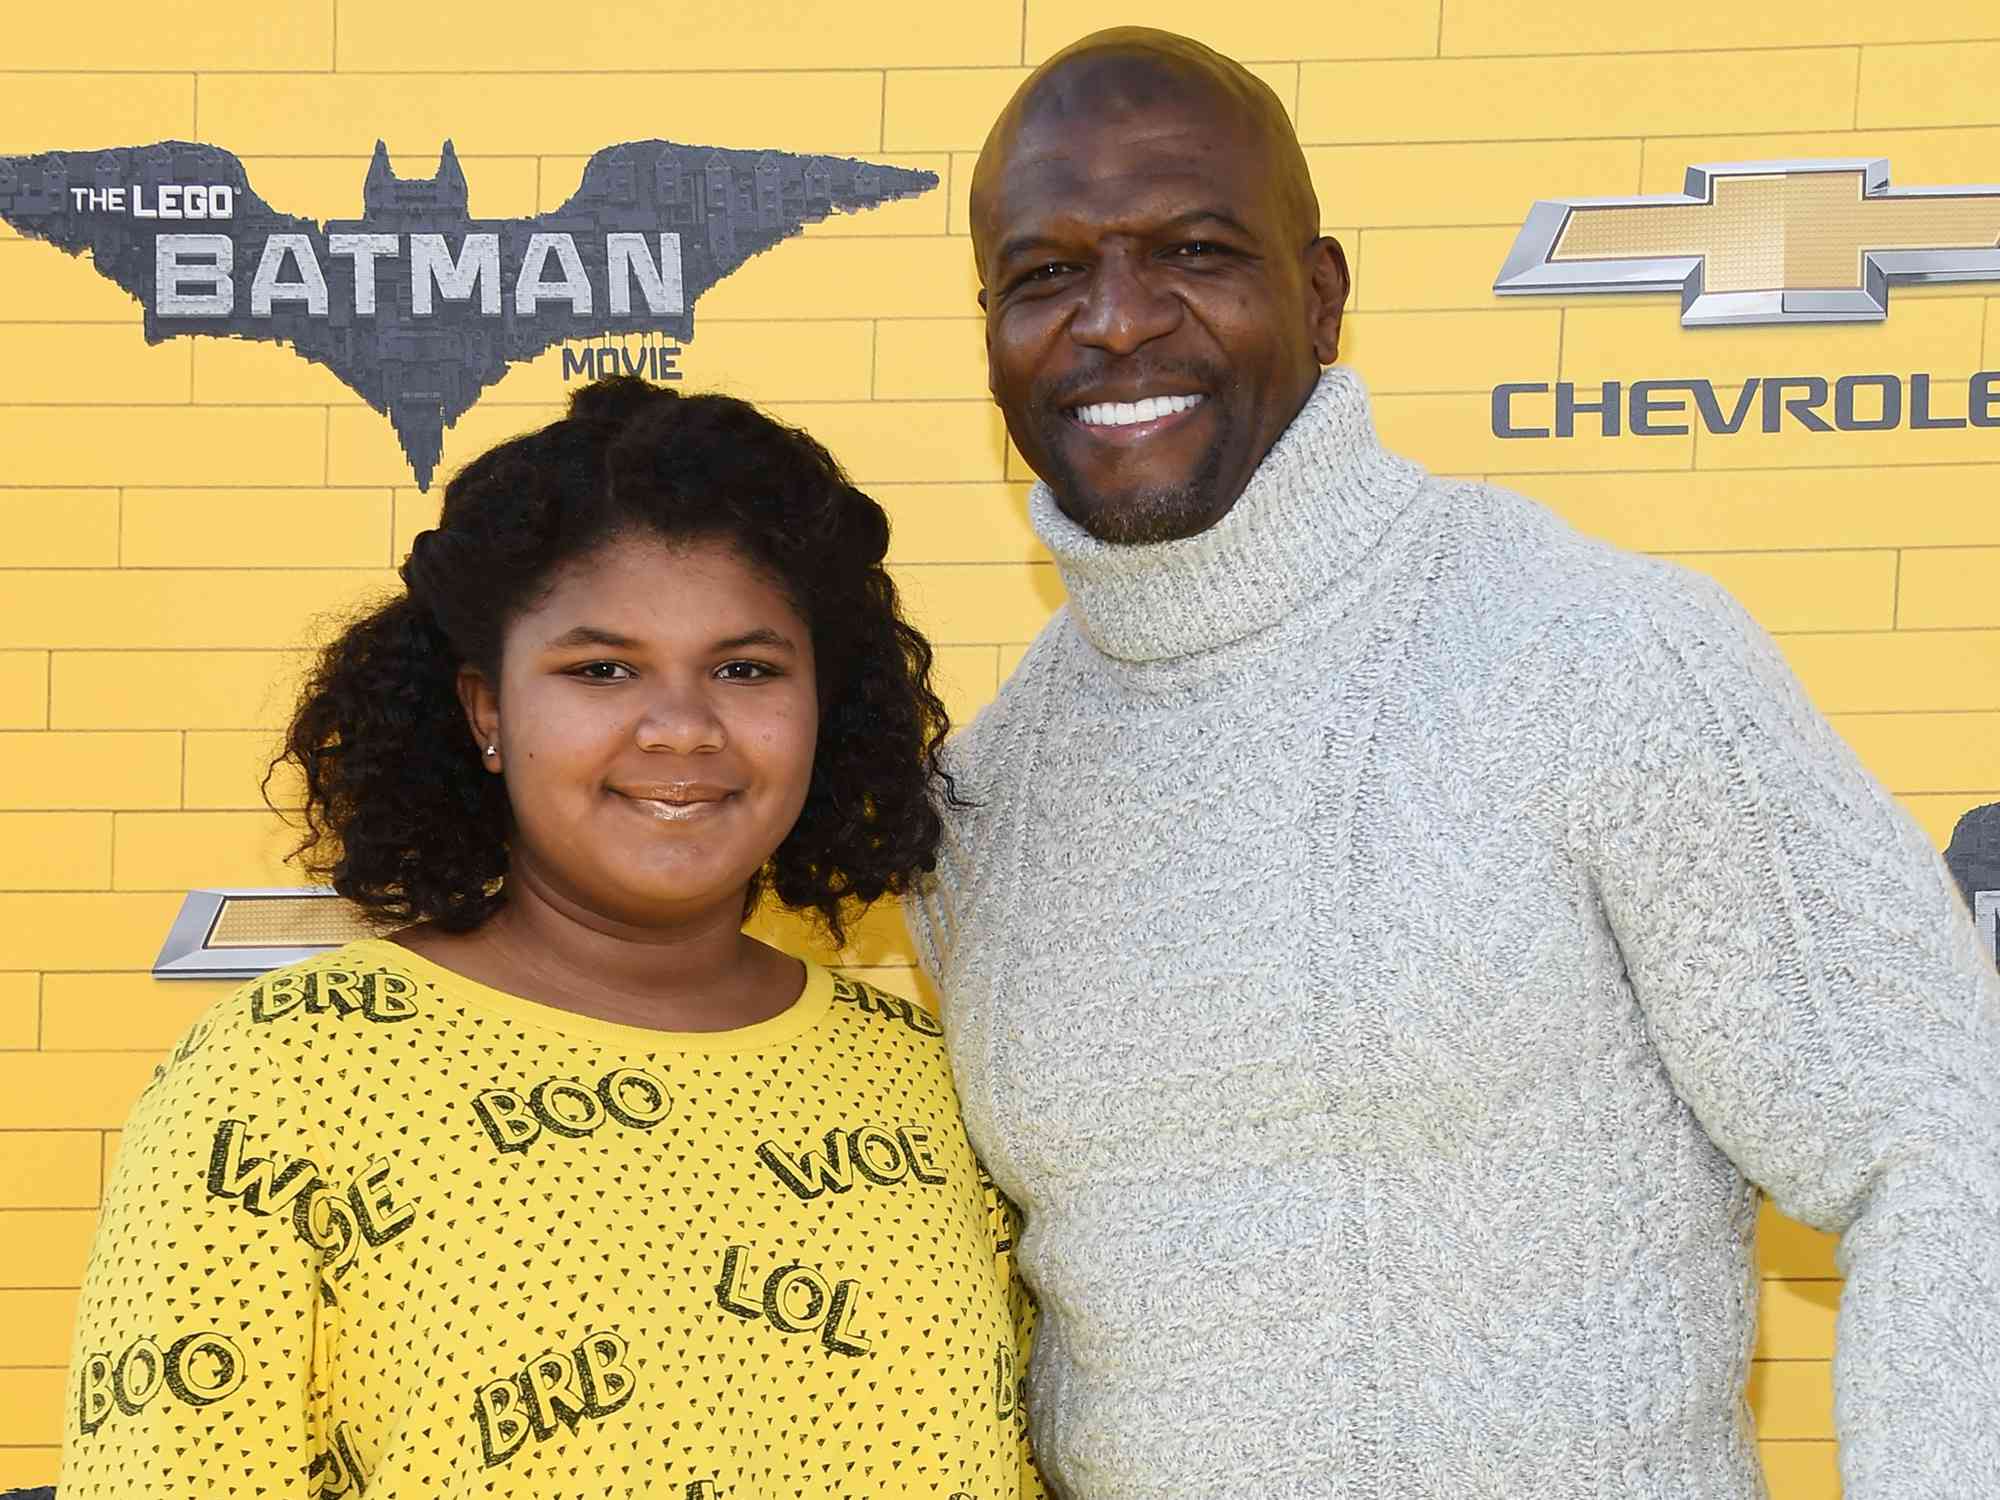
(1397, 940)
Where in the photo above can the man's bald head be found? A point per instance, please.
(1159, 299)
(1133, 70)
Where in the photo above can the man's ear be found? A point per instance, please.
(986, 336)
(481, 703)
(1328, 281)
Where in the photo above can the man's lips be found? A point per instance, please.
(1134, 421)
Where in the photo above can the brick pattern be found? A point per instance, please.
(183, 519)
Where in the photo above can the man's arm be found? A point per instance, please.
(1813, 985)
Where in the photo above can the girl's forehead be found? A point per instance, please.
(659, 585)
(640, 561)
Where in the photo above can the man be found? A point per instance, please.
(1398, 937)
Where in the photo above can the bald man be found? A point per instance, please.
(1398, 940)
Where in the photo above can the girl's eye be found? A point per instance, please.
(744, 671)
(602, 671)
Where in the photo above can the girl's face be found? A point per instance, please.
(655, 719)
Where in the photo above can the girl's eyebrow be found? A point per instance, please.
(590, 635)
(597, 635)
(763, 635)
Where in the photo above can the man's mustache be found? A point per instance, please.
(1076, 384)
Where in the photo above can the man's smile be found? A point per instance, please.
(1132, 421)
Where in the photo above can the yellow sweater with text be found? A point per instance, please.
(376, 1229)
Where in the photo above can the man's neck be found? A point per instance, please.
(1321, 499)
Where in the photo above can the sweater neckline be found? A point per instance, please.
(1318, 503)
(812, 1005)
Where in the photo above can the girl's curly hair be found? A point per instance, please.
(399, 815)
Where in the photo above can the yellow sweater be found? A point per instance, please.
(377, 1229)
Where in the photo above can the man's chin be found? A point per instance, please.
(1140, 512)
(1120, 503)
(1138, 518)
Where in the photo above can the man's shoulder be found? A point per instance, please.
(1515, 563)
(983, 760)
(1612, 642)
(975, 751)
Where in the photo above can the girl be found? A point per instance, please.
(570, 1187)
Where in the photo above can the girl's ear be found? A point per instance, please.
(481, 702)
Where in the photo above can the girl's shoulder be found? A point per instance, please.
(257, 1053)
(371, 979)
(274, 1015)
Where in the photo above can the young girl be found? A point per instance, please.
(571, 1188)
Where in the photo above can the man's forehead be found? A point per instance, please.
(1099, 103)
(1103, 104)
(1055, 196)
(1159, 158)
(1170, 123)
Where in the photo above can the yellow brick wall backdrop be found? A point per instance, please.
(177, 522)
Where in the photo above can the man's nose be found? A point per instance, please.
(1123, 309)
(681, 718)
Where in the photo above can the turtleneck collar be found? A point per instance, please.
(1322, 497)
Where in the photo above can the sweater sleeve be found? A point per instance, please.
(1812, 982)
(191, 1366)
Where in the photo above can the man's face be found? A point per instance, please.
(1155, 313)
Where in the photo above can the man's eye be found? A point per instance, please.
(602, 671)
(745, 671)
(1193, 248)
(1041, 273)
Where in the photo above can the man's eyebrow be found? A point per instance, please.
(1026, 243)
(1023, 243)
(1196, 216)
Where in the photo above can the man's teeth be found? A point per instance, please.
(1125, 413)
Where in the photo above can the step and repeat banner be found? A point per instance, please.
(1706, 280)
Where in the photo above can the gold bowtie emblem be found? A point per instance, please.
(1762, 242)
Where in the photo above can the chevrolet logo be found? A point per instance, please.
(1763, 242)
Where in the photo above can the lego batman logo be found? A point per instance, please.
(1763, 242)
(416, 306)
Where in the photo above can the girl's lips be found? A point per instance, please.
(681, 808)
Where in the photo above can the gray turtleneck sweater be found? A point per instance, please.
(1397, 940)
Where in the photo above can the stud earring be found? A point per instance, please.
(492, 750)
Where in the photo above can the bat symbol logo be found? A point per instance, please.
(417, 306)
(1763, 242)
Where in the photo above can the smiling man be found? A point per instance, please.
(1397, 939)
